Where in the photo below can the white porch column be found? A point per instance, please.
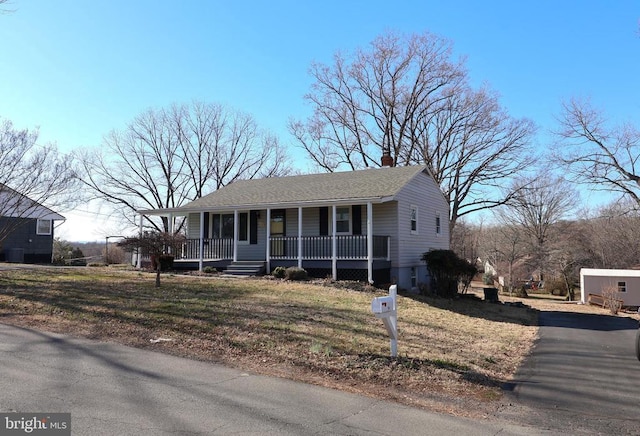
(299, 237)
(171, 225)
(235, 235)
(370, 242)
(268, 254)
(334, 245)
(201, 243)
(139, 259)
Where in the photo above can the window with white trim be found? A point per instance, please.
(414, 220)
(43, 227)
(438, 227)
(222, 226)
(343, 219)
(622, 286)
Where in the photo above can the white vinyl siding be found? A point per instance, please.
(423, 192)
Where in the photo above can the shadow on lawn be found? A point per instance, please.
(242, 319)
(472, 306)
(200, 309)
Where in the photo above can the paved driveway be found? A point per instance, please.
(583, 377)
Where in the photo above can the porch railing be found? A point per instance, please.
(352, 247)
(213, 249)
(321, 247)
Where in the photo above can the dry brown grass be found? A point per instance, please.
(454, 355)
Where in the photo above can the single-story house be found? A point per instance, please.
(370, 225)
(26, 228)
(625, 281)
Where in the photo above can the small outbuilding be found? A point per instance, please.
(625, 281)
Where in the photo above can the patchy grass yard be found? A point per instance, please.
(454, 355)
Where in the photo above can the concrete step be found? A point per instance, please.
(246, 268)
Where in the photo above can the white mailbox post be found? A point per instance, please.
(386, 309)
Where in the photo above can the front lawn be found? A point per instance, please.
(454, 355)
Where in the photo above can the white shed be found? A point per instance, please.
(627, 282)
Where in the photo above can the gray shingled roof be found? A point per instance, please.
(378, 184)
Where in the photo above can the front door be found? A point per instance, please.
(278, 230)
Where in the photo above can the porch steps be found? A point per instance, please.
(246, 268)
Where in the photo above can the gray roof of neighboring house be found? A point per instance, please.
(377, 185)
(16, 205)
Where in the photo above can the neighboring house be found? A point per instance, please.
(26, 228)
(625, 281)
(370, 225)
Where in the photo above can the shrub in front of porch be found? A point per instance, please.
(295, 273)
(279, 272)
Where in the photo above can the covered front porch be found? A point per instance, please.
(291, 236)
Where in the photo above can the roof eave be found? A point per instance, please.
(254, 206)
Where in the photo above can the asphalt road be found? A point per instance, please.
(583, 377)
(111, 389)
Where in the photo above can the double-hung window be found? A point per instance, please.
(343, 219)
(222, 226)
(414, 220)
(622, 286)
(43, 227)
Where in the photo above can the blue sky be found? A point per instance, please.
(79, 69)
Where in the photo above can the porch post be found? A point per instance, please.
(370, 242)
(334, 245)
(268, 256)
(299, 237)
(139, 259)
(201, 243)
(170, 223)
(235, 235)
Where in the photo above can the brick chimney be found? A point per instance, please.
(387, 160)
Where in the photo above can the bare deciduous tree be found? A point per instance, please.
(613, 236)
(165, 158)
(542, 201)
(406, 96)
(605, 157)
(505, 245)
(34, 179)
(155, 245)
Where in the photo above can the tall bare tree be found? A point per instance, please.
(34, 178)
(167, 157)
(406, 96)
(505, 245)
(604, 156)
(543, 200)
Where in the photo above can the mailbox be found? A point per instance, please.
(385, 308)
(382, 304)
